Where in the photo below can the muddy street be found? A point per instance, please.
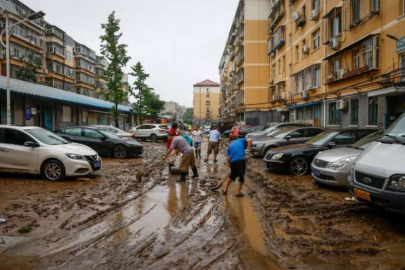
(111, 221)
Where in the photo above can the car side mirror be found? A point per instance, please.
(331, 144)
(31, 144)
(288, 138)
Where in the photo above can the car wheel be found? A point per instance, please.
(153, 138)
(120, 151)
(298, 166)
(53, 170)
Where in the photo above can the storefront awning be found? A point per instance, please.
(387, 91)
(33, 89)
(313, 103)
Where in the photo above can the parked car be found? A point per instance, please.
(333, 167)
(226, 133)
(285, 136)
(207, 129)
(104, 143)
(235, 131)
(378, 175)
(34, 150)
(118, 132)
(153, 132)
(223, 126)
(296, 159)
(270, 129)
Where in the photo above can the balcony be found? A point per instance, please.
(240, 98)
(356, 59)
(240, 57)
(276, 14)
(240, 76)
(235, 85)
(239, 35)
(276, 41)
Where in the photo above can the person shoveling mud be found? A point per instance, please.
(179, 144)
(237, 164)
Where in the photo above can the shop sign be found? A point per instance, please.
(33, 111)
(27, 114)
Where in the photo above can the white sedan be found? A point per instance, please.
(116, 131)
(34, 150)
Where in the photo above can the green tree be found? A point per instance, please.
(141, 91)
(189, 115)
(116, 55)
(154, 104)
(28, 71)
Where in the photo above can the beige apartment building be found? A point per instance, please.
(206, 96)
(331, 63)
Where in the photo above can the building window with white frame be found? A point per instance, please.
(316, 76)
(316, 4)
(316, 37)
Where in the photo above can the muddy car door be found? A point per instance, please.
(294, 137)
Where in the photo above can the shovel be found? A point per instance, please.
(142, 173)
(220, 185)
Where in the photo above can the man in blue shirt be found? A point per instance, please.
(214, 139)
(236, 161)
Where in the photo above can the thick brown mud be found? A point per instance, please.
(111, 221)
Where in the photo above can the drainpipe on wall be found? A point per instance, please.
(325, 69)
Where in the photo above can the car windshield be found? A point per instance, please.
(258, 128)
(274, 132)
(109, 135)
(322, 138)
(397, 129)
(284, 132)
(46, 137)
(365, 142)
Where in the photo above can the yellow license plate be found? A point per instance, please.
(362, 194)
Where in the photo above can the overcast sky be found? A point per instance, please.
(179, 42)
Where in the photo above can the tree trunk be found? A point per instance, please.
(116, 115)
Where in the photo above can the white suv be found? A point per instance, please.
(153, 132)
(34, 150)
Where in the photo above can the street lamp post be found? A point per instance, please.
(34, 16)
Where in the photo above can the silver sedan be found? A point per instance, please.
(333, 167)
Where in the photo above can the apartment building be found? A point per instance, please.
(332, 63)
(59, 59)
(85, 60)
(244, 67)
(25, 39)
(100, 66)
(206, 100)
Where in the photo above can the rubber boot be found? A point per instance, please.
(195, 172)
(182, 178)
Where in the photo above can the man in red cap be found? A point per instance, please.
(173, 132)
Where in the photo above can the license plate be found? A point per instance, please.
(317, 173)
(97, 165)
(362, 194)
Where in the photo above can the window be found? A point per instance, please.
(290, 39)
(336, 25)
(304, 11)
(279, 66)
(67, 114)
(375, 5)
(290, 69)
(311, 132)
(273, 71)
(297, 53)
(355, 8)
(345, 138)
(284, 63)
(316, 76)
(304, 43)
(297, 133)
(334, 115)
(368, 53)
(208, 90)
(74, 132)
(373, 111)
(89, 133)
(316, 37)
(15, 137)
(354, 112)
(356, 60)
(315, 4)
(402, 66)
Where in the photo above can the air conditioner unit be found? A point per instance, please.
(45, 71)
(315, 14)
(297, 16)
(305, 49)
(340, 73)
(341, 105)
(335, 43)
(304, 95)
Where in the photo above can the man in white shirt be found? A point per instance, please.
(198, 140)
(213, 144)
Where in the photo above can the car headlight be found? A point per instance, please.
(277, 156)
(340, 164)
(397, 183)
(76, 156)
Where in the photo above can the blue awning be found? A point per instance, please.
(313, 103)
(33, 89)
